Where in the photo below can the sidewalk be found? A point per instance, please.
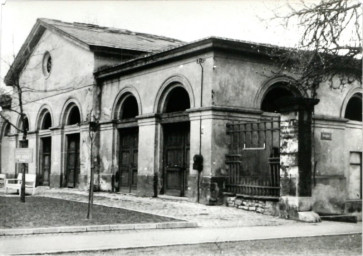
(174, 207)
(40, 244)
(216, 224)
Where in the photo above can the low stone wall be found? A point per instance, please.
(261, 206)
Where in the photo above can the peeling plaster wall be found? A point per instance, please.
(334, 139)
(332, 97)
(334, 182)
(238, 80)
(7, 155)
(72, 67)
(148, 83)
(147, 86)
(354, 130)
(71, 77)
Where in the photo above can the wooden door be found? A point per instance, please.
(176, 158)
(73, 163)
(128, 157)
(45, 156)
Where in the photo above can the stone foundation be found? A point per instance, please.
(261, 206)
(354, 207)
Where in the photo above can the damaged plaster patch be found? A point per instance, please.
(328, 199)
(106, 112)
(105, 163)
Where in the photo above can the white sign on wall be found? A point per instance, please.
(23, 155)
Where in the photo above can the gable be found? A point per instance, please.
(70, 67)
(89, 37)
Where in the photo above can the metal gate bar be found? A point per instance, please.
(260, 138)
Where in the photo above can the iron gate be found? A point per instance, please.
(253, 160)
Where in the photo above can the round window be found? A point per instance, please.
(47, 64)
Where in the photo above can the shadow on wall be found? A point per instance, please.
(328, 199)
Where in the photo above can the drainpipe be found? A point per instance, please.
(200, 61)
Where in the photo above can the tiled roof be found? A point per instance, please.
(94, 35)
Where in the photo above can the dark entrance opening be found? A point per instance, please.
(73, 163)
(269, 101)
(354, 108)
(177, 100)
(74, 116)
(176, 142)
(45, 160)
(129, 108)
(47, 121)
(176, 158)
(128, 155)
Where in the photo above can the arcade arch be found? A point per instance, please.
(353, 110)
(276, 92)
(45, 147)
(72, 115)
(125, 111)
(175, 139)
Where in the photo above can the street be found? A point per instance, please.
(347, 245)
(147, 238)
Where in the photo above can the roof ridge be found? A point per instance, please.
(88, 26)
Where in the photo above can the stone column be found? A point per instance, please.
(32, 144)
(84, 157)
(56, 158)
(105, 157)
(214, 146)
(296, 158)
(200, 132)
(148, 155)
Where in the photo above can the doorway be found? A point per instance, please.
(45, 156)
(128, 157)
(73, 163)
(176, 158)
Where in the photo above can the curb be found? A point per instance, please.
(95, 228)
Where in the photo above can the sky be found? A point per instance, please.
(250, 20)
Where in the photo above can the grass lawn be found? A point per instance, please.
(48, 212)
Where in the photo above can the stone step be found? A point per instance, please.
(340, 218)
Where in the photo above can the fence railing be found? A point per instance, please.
(253, 139)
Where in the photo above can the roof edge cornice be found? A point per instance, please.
(259, 50)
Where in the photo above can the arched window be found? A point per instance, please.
(129, 108)
(74, 116)
(46, 122)
(177, 100)
(276, 93)
(353, 110)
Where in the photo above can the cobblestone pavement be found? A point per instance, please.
(205, 216)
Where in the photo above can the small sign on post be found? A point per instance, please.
(23, 155)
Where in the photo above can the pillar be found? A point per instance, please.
(84, 157)
(55, 178)
(296, 157)
(104, 178)
(148, 155)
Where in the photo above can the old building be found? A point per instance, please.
(143, 106)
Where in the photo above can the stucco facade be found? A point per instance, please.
(154, 112)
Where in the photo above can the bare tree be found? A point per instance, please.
(21, 91)
(330, 46)
(22, 128)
